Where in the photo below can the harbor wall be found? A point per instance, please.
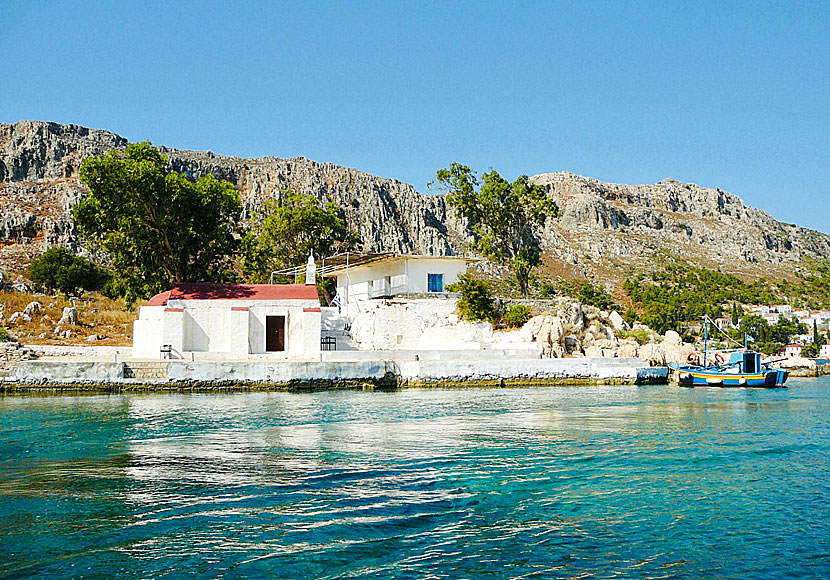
(334, 374)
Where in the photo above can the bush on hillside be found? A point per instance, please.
(59, 269)
(5, 336)
(476, 300)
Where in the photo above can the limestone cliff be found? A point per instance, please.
(606, 232)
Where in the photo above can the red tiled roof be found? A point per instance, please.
(236, 292)
(159, 299)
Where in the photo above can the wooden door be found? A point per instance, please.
(274, 333)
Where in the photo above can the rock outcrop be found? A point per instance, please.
(601, 222)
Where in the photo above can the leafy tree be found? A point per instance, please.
(291, 230)
(59, 269)
(517, 315)
(810, 350)
(476, 300)
(158, 226)
(503, 216)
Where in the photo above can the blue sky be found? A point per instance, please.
(730, 95)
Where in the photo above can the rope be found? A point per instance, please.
(724, 333)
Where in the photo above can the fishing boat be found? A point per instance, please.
(742, 368)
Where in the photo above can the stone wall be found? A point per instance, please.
(11, 353)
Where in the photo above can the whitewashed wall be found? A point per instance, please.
(405, 276)
(213, 326)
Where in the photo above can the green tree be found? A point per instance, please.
(158, 226)
(810, 350)
(300, 225)
(476, 301)
(59, 269)
(503, 216)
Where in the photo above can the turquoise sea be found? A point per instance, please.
(581, 482)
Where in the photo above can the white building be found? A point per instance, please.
(772, 318)
(362, 277)
(279, 321)
(824, 352)
(793, 350)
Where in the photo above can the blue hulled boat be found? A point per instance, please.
(743, 368)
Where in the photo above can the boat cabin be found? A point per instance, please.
(745, 361)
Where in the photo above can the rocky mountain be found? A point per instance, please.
(607, 230)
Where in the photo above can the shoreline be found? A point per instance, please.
(298, 376)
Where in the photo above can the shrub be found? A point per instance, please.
(476, 300)
(548, 290)
(517, 315)
(640, 335)
(5, 336)
(59, 269)
(591, 295)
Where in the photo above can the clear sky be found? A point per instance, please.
(723, 94)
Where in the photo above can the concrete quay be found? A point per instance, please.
(355, 372)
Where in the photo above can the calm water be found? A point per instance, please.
(606, 482)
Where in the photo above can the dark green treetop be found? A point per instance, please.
(300, 225)
(158, 226)
(59, 269)
(503, 216)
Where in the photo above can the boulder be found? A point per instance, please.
(557, 330)
(572, 344)
(795, 362)
(677, 353)
(543, 339)
(653, 354)
(69, 316)
(672, 337)
(628, 349)
(535, 324)
(93, 338)
(605, 343)
(617, 321)
(32, 308)
(19, 318)
(65, 334)
(571, 313)
(588, 340)
(593, 352)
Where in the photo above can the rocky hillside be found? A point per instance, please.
(607, 230)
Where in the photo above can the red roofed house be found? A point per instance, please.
(231, 321)
(792, 350)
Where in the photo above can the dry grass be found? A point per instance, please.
(96, 315)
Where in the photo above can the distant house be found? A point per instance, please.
(792, 350)
(362, 277)
(772, 318)
(824, 351)
(230, 321)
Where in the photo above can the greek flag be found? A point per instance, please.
(336, 302)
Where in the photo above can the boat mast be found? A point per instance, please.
(705, 336)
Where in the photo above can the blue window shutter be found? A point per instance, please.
(435, 282)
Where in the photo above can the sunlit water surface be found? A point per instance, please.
(604, 482)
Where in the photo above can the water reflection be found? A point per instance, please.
(606, 481)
